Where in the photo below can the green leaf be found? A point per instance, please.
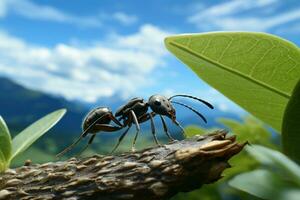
(3, 163)
(284, 183)
(5, 145)
(276, 159)
(255, 70)
(29, 135)
(291, 126)
(251, 130)
(265, 184)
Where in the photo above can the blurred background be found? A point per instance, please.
(83, 54)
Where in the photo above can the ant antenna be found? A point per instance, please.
(192, 109)
(192, 97)
(79, 138)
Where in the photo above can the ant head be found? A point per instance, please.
(162, 106)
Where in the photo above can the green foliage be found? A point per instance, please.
(29, 135)
(5, 145)
(207, 192)
(264, 184)
(277, 160)
(10, 149)
(265, 67)
(280, 179)
(249, 129)
(291, 126)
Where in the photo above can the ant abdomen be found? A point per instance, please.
(93, 116)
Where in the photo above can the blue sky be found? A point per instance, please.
(87, 50)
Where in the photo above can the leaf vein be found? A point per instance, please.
(183, 48)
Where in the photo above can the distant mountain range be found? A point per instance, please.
(20, 107)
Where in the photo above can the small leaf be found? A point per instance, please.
(29, 135)
(255, 70)
(291, 126)
(5, 143)
(276, 159)
(264, 184)
(3, 162)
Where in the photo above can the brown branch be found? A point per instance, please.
(153, 173)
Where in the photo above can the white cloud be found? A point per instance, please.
(124, 18)
(236, 6)
(85, 72)
(3, 8)
(238, 15)
(31, 10)
(34, 11)
(145, 39)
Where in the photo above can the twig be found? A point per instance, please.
(153, 173)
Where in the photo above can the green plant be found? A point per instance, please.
(9, 149)
(5, 145)
(279, 179)
(291, 126)
(249, 129)
(257, 71)
(260, 73)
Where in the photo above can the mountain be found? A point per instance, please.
(20, 107)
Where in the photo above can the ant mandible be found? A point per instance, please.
(133, 112)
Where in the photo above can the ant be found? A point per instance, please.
(133, 112)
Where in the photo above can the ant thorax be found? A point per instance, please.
(137, 105)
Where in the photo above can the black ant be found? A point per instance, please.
(134, 112)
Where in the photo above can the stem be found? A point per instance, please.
(153, 173)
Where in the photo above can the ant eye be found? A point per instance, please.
(157, 102)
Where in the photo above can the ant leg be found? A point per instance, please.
(146, 117)
(137, 129)
(102, 127)
(82, 135)
(153, 130)
(116, 120)
(120, 139)
(86, 146)
(107, 127)
(59, 155)
(182, 129)
(166, 129)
